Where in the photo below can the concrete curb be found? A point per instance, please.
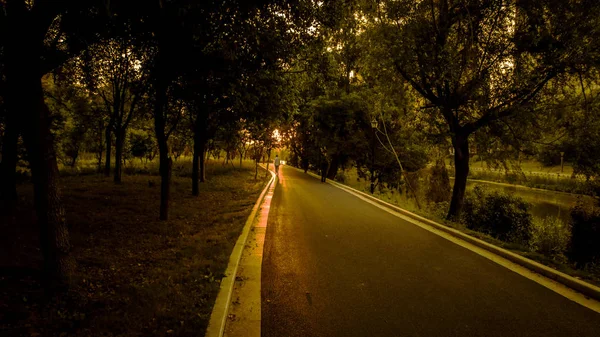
(218, 317)
(584, 288)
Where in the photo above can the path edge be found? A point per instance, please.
(583, 287)
(218, 317)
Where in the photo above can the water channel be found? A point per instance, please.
(544, 203)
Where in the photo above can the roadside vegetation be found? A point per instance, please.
(136, 275)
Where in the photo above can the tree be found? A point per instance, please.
(116, 72)
(42, 44)
(478, 63)
(71, 114)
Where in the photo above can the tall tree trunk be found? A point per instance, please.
(119, 142)
(460, 143)
(100, 145)
(203, 157)
(108, 136)
(160, 123)
(74, 160)
(255, 169)
(198, 174)
(166, 164)
(22, 65)
(333, 168)
(54, 233)
(8, 172)
(195, 173)
(8, 166)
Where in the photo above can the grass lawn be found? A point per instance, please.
(526, 166)
(136, 276)
(531, 174)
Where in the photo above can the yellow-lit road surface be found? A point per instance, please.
(335, 265)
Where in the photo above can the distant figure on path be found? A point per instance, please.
(324, 169)
(276, 163)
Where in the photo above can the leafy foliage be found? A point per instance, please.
(439, 183)
(585, 224)
(550, 236)
(498, 214)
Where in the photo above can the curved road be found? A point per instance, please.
(335, 265)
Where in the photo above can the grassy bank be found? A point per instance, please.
(545, 181)
(136, 276)
(530, 174)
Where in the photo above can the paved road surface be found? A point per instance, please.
(335, 265)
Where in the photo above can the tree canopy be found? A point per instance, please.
(389, 88)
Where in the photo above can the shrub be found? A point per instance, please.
(340, 177)
(498, 214)
(549, 236)
(439, 209)
(141, 145)
(585, 238)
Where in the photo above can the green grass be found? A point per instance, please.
(531, 174)
(135, 276)
(550, 182)
(527, 166)
(182, 166)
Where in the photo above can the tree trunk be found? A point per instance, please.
(24, 94)
(100, 145)
(54, 233)
(74, 160)
(8, 166)
(195, 173)
(461, 172)
(256, 169)
(198, 172)
(8, 172)
(160, 124)
(333, 168)
(108, 136)
(203, 159)
(119, 142)
(166, 165)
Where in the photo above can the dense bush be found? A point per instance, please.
(498, 214)
(340, 177)
(549, 236)
(439, 209)
(585, 239)
(141, 146)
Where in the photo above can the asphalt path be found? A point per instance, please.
(335, 265)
